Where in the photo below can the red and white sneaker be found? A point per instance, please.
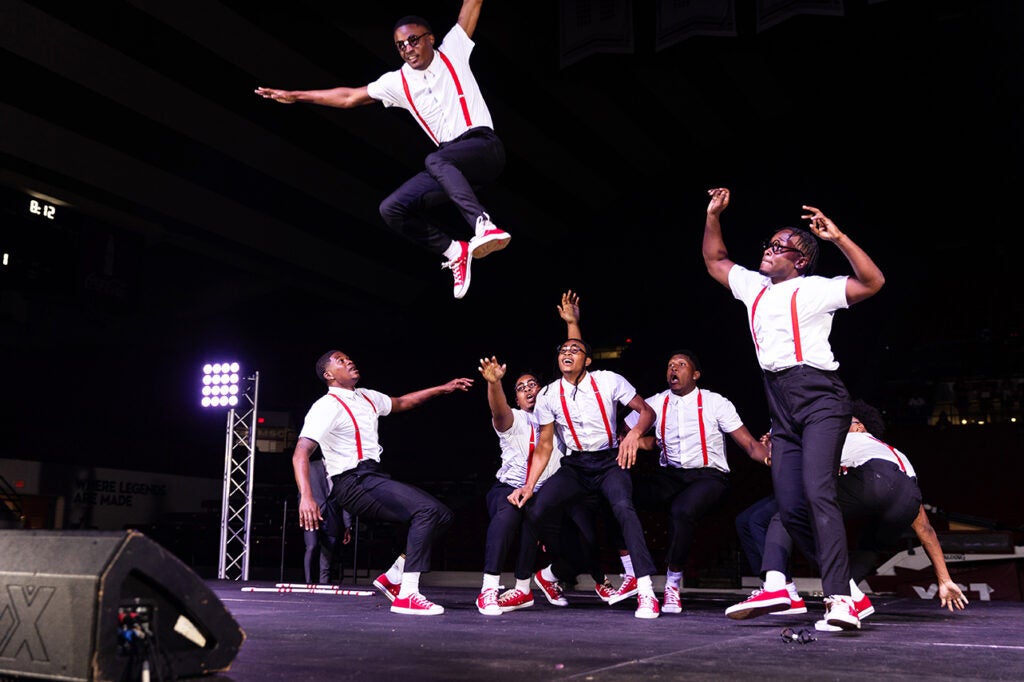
(512, 600)
(626, 590)
(389, 589)
(840, 612)
(605, 590)
(488, 238)
(759, 603)
(416, 605)
(646, 606)
(797, 605)
(863, 608)
(551, 589)
(487, 603)
(670, 600)
(460, 269)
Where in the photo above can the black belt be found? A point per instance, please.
(593, 453)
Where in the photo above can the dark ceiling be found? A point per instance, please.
(196, 219)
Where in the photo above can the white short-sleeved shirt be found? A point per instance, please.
(436, 104)
(770, 316)
(861, 447)
(579, 419)
(517, 445)
(680, 422)
(335, 429)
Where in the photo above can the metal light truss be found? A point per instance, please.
(236, 510)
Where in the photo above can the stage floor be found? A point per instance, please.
(315, 637)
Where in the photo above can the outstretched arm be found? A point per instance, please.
(949, 592)
(416, 398)
(867, 277)
(569, 310)
(716, 257)
(501, 412)
(341, 98)
(468, 15)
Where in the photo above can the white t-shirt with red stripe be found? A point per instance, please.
(791, 321)
(689, 428)
(861, 447)
(584, 420)
(337, 430)
(435, 96)
(517, 445)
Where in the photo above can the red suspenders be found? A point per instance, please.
(458, 88)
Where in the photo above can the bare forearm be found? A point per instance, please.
(501, 413)
(541, 457)
(930, 542)
(300, 466)
(340, 97)
(865, 270)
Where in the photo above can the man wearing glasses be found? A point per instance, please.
(789, 312)
(582, 406)
(438, 88)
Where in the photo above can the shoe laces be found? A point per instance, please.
(507, 594)
(489, 596)
(457, 266)
(418, 599)
(646, 601)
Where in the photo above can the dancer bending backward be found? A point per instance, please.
(343, 423)
(582, 405)
(790, 311)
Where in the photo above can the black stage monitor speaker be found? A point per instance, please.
(99, 606)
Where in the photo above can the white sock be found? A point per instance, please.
(644, 585)
(453, 251)
(793, 593)
(855, 591)
(674, 579)
(523, 585)
(394, 574)
(548, 574)
(410, 584)
(627, 564)
(774, 580)
(491, 582)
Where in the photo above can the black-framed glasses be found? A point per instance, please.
(411, 41)
(778, 247)
(572, 349)
(530, 383)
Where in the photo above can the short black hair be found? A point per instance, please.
(412, 19)
(321, 364)
(869, 416)
(808, 245)
(694, 360)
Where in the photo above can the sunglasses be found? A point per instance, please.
(411, 41)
